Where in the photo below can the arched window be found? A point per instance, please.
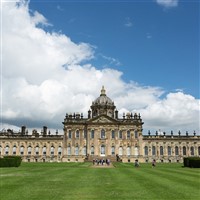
(76, 150)
(103, 135)
(128, 151)
(146, 151)
(69, 150)
(52, 150)
(29, 150)
(44, 150)
(92, 150)
(169, 150)
(192, 151)
(128, 135)
(84, 150)
(120, 151)
(161, 150)
(37, 150)
(199, 151)
(6, 150)
(22, 150)
(14, 150)
(184, 151)
(176, 151)
(59, 150)
(77, 134)
(112, 150)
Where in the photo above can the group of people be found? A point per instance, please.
(137, 163)
(101, 161)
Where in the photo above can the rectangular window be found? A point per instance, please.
(69, 150)
(136, 134)
(161, 150)
(176, 151)
(113, 134)
(70, 134)
(76, 151)
(113, 150)
(92, 134)
(153, 151)
(92, 150)
(128, 135)
(146, 151)
(77, 134)
(120, 134)
(169, 151)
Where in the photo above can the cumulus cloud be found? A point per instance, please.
(43, 78)
(168, 3)
(179, 110)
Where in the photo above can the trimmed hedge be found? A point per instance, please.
(10, 161)
(193, 162)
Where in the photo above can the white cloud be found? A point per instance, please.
(177, 111)
(168, 3)
(43, 78)
(128, 22)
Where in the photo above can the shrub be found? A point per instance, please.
(10, 161)
(193, 162)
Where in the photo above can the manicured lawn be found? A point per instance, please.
(60, 181)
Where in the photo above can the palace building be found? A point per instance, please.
(102, 135)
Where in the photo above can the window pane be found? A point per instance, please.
(68, 150)
(102, 133)
(92, 150)
(161, 150)
(176, 151)
(128, 151)
(146, 151)
(113, 150)
(128, 134)
(76, 151)
(120, 134)
(169, 151)
(120, 151)
(92, 134)
(70, 134)
(77, 134)
(113, 134)
(153, 151)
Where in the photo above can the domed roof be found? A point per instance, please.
(103, 99)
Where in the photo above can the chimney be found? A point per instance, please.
(44, 130)
(116, 114)
(23, 130)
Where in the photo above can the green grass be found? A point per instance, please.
(79, 181)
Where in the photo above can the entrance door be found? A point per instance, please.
(103, 150)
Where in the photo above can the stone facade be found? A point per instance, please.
(102, 135)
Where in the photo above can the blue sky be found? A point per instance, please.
(151, 44)
(56, 55)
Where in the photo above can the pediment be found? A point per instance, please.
(102, 119)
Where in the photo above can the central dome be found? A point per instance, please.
(103, 99)
(103, 105)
